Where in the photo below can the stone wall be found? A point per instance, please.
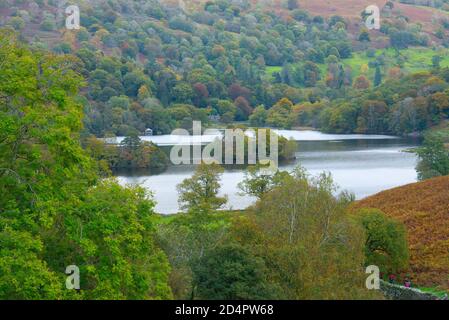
(397, 292)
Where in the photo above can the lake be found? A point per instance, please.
(362, 164)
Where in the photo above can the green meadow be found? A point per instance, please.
(410, 60)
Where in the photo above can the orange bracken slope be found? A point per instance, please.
(424, 209)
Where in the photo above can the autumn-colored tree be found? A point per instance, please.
(218, 50)
(244, 107)
(372, 117)
(361, 82)
(394, 73)
(236, 90)
(421, 207)
(306, 237)
(280, 115)
(201, 93)
(143, 93)
(440, 101)
(364, 69)
(135, 153)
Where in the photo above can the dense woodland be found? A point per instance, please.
(143, 64)
(159, 65)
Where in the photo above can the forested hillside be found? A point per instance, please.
(160, 64)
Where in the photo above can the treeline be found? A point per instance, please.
(131, 153)
(402, 106)
(407, 105)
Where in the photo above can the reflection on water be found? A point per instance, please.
(303, 135)
(360, 165)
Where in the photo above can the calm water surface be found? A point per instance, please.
(362, 164)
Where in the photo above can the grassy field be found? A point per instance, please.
(435, 291)
(413, 60)
(270, 70)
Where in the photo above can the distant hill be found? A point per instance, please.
(428, 17)
(424, 209)
(413, 11)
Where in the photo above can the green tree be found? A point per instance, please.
(24, 275)
(227, 110)
(386, 241)
(41, 164)
(256, 183)
(186, 239)
(53, 210)
(132, 82)
(436, 61)
(17, 23)
(377, 77)
(111, 238)
(434, 158)
(306, 237)
(258, 117)
(183, 93)
(364, 36)
(231, 272)
(280, 115)
(200, 192)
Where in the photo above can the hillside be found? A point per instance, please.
(427, 17)
(352, 9)
(424, 209)
(161, 64)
